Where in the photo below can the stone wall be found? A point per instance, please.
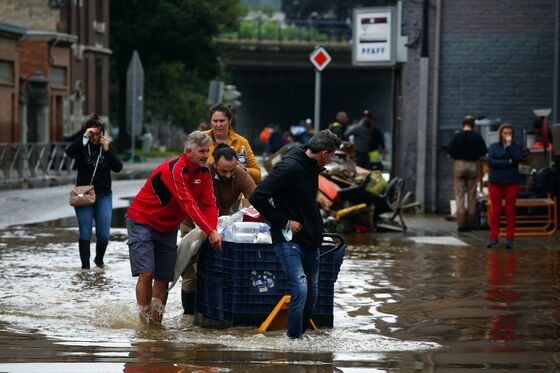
(35, 15)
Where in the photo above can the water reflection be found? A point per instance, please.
(501, 291)
(398, 307)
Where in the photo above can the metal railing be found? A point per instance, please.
(34, 160)
(292, 31)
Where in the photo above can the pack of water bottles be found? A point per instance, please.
(247, 232)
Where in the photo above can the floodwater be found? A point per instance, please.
(399, 307)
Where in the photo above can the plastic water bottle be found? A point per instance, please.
(248, 232)
(242, 156)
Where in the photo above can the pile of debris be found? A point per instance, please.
(355, 199)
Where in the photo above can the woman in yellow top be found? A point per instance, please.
(222, 133)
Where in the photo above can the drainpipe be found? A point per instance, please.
(423, 112)
(435, 104)
(556, 72)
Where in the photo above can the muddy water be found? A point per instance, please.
(399, 306)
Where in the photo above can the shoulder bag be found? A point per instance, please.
(84, 195)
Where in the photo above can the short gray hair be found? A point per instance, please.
(324, 140)
(196, 138)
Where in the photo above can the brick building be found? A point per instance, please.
(62, 66)
(9, 82)
(491, 58)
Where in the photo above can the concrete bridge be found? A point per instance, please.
(273, 72)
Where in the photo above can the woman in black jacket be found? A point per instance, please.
(92, 149)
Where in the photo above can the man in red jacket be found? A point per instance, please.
(179, 188)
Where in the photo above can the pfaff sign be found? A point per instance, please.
(373, 36)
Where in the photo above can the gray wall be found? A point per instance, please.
(283, 96)
(496, 61)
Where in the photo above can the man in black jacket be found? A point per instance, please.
(287, 198)
(467, 149)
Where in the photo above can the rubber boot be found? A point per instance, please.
(84, 253)
(100, 248)
(188, 300)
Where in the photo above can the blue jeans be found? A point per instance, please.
(101, 212)
(301, 267)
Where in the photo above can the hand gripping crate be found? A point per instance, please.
(243, 283)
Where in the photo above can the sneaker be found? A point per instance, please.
(509, 244)
(492, 244)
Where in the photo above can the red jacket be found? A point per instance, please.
(174, 191)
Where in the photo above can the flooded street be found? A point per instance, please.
(400, 306)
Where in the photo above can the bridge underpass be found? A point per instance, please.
(277, 82)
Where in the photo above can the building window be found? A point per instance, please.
(99, 86)
(58, 77)
(99, 12)
(6, 72)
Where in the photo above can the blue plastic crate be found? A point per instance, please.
(243, 283)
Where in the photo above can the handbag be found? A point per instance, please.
(84, 195)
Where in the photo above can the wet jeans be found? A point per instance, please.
(301, 267)
(101, 212)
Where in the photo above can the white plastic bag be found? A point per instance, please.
(187, 249)
(225, 221)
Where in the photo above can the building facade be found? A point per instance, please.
(61, 71)
(487, 58)
(9, 82)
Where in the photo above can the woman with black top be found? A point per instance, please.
(90, 149)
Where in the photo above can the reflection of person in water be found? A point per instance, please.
(500, 291)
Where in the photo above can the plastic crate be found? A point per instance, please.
(243, 283)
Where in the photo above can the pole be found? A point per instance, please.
(133, 118)
(556, 72)
(317, 100)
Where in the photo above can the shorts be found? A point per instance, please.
(151, 251)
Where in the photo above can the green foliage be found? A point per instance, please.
(175, 95)
(174, 39)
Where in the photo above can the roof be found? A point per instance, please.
(8, 28)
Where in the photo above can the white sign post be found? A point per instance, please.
(134, 98)
(320, 59)
(373, 34)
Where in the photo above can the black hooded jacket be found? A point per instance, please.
(292, 185)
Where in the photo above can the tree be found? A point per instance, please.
(337, 9)
(175, 41)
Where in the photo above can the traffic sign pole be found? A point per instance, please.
(320, 59)
(317, 116)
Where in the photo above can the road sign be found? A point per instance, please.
(320, 58)
(134, 99)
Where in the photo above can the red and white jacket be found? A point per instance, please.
(174, 191)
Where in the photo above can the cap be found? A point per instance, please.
(366, 113)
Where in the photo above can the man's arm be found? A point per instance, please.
(180, 191)
(269, 188)
(207, 201)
